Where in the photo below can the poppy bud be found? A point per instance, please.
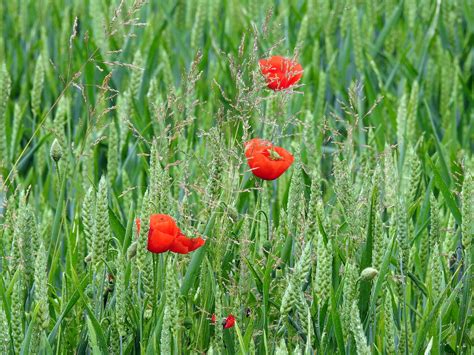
(267, 247)
(132, 250)
(233, 214)
(89, 292)
(229, 322)
(56, 152)
(88, 258)
(188, 323)
(368, 273)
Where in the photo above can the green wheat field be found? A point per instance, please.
(115, 110)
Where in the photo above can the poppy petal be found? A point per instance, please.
(280, 73)
(185, 245)
(255, 146)
(159, 242)
(162, 233)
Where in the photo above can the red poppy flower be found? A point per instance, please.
(267, 161)
(280, 73)
(229, 321)
(213, 318)
(165, 235)
(184, 245)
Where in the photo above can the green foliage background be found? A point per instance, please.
(159, 96)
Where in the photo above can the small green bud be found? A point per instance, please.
(89, 291)
(267, 247)
(368, 273)
(188, 323)
(132, 250)
(233, 214)
(56, 152)
(148, 313)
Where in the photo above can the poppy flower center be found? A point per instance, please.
(274, 155)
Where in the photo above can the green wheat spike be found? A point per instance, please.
(22, 19)
(370, 18)
(41, 287)
(156, 188)
(9, 228)
(137, 74)
(17, 313)
(345, 18)
(165, 341)
(297, 280)
(402, 122)
(390, 40)
(101, 235)
(154, 105)
(99, 25)
(219, 337)
(410, 13)
(389, 324)
(357, 39)
(358, 331)
(127, 191)
(320, 97)
(4, 333)
(436, 275)
(114, 339)
(213, 16)
(124, 114)
(88, 219)
(402, 235)
(167, 70)
(121, 297)
(214, 181)
(23, 257)
(316, 60)
(446, 87)
(281, 348)
(302, 33)
(316, 208)
(467, 200)
(323, 274)
(198, 25)
(415, 177)
(435, 231)
(424, 250)
(379, 241)
(412, 109)
(295, 206)
(17, 122)
(112, 154)
(349, 295)
(5, 86)
(37, 89)
(143, 260)
(65, 30)
(426, 7)
(60, 119)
